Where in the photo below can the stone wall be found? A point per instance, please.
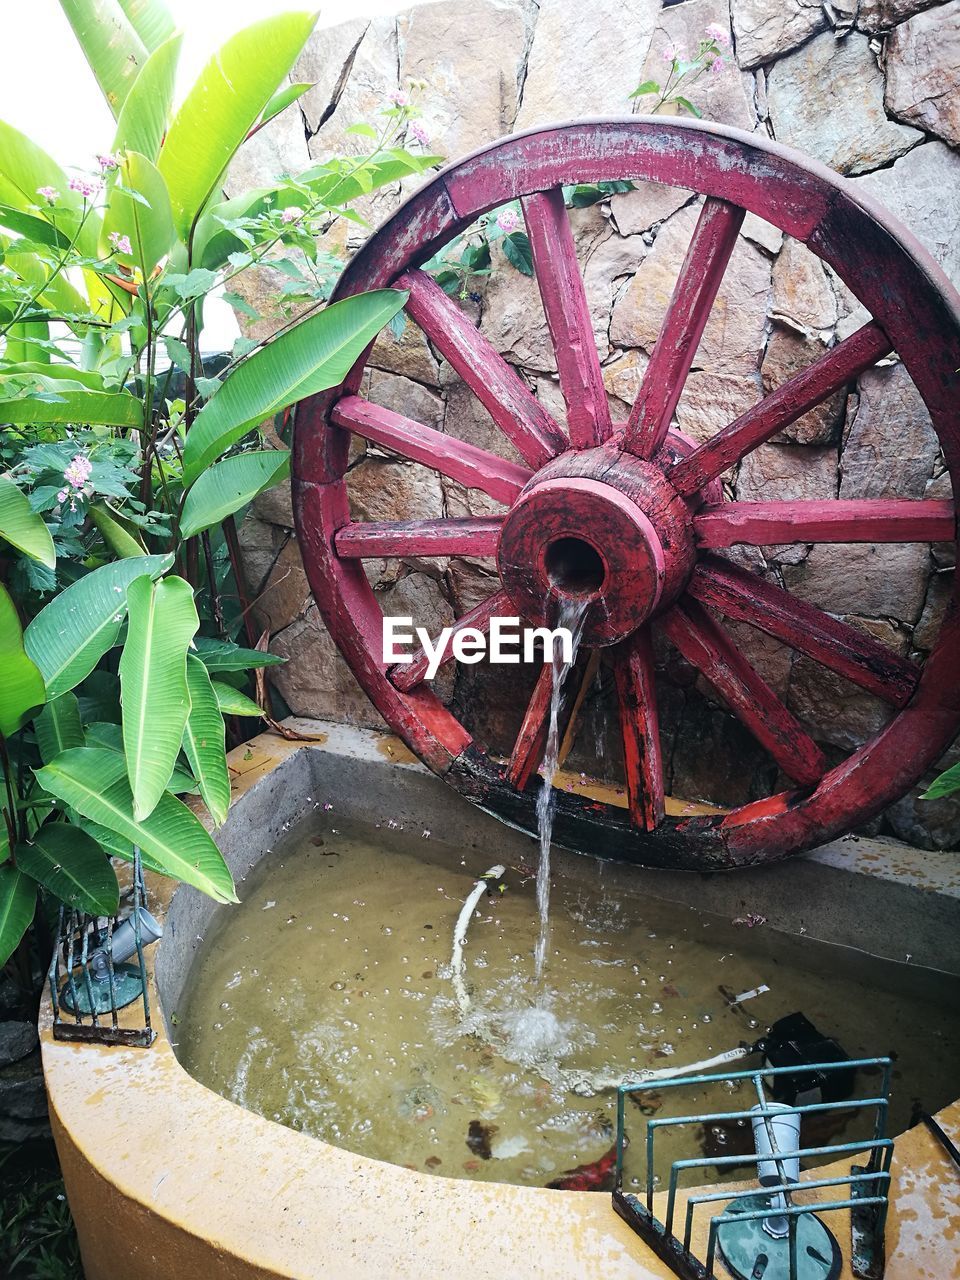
(870, 88)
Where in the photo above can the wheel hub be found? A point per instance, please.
(602, 526)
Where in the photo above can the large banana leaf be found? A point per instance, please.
(110, 45)
(71, 634)
(23, 528)
(18, 898)
(58, 727)
(311, 357)
(223, 105)
(172, 840)
(23, 168)
(204, 741)
(153, 684)
(229, 485)
(70, 863)
(99, 408)
(21, 684)
(151, 19)
(149, 227)
(146, 113)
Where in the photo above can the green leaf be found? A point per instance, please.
(172, 840)
(21, 684)
(18, 899)
(221, 108)
(232, 702)
(516, 248)
(648, 86)
(146, 112)
(23, 168)
(283, 98)
(312, 356)
(71, 634)
(229, 485)
(945, 785)
(116, 532)
(70, 863)
(224, 655)
(100, 408)
(151, 19)
(110, 44)
(33, 228)
(58, 727)
(204, 741)
(23, 528)
(149, 227)
(153, 684)
(685, 102)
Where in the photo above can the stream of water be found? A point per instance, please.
(573, 611)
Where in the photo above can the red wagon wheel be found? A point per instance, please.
(631, 515)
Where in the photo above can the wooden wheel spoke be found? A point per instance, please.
(453, 458)
(405, 676)
(805, 628)
(786, 404)
(531, 740)
(714, 239)
(497, 386)
(704, 644)
(764, 524)
(568, 317)
(468, 537)
(639, 724)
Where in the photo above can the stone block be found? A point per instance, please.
(827, 100)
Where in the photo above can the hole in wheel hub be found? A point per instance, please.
(574, 567)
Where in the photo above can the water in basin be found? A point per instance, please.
(324, 1002)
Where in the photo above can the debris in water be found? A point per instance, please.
(507, 1148)
(432, 1162)
(479, 1136)
(751, 919)
(598, 1176)
(746, 995)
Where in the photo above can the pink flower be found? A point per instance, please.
(673, 52)
(121, 244)
(719, 35)
(507, 220)
(87, 187)
(50, 194)
(108, 163)
(63, 495)
(291, 214)
(418, 133)
(77, 473)
(399, 98)
(716, 66)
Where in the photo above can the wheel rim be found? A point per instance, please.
(666, 490)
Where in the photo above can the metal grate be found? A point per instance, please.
(87, 1010)
(868, 1185)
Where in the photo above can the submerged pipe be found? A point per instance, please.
(457, 963)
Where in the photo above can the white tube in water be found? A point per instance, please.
(457, 963)
(599, 1084)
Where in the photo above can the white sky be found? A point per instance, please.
(48, 91)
